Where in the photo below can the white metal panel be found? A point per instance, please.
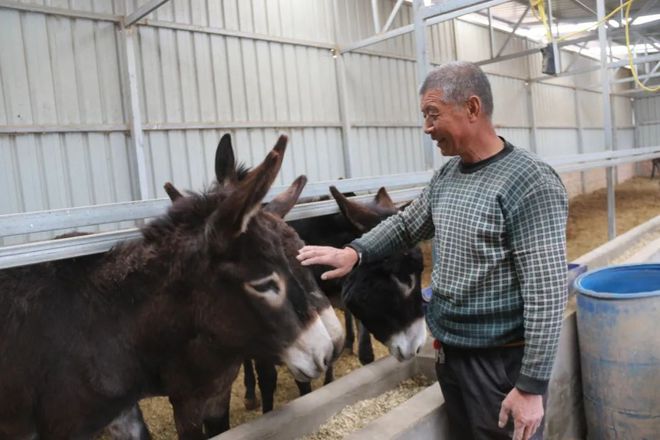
(14, 74)
(381, 150)
(594, 140)
(186, 157)
(381, 90)
(442, 42)
(625, 138)
(519, 137)
(590, 106)
(622, 111)
(647, 120)
(66, 71)
(50, 171)
(649, 135)
(509, 101)
(553, 106)
(553, 142)
(63, 71)
(295, 19)
(473, 44)
(647, 110)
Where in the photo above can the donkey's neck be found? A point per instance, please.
(145, 284)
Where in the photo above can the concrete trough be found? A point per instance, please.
(306, 414)
(424, 416)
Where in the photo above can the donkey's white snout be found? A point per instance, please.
(334, 329)
(310, 354)
(407, 343)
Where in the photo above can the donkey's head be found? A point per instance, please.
(385, 295)
(247, 295)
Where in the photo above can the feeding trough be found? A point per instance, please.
(304, 415)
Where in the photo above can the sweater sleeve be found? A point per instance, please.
(538, 237)
(400, 231)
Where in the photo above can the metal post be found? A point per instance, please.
(490, 33)
(376, 15)
(636, 128)
(513, 31)
(340, 71)
(555, 48)
(143, 11)
(580, 133)
(533, 135)
(133, 100)
(422, 70)
(390, 19)
(607, 119)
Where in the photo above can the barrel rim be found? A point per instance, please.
(577, 284)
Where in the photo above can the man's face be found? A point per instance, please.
(446, 124)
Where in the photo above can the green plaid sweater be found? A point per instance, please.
(499, 275)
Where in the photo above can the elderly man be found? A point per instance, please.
(497, 216)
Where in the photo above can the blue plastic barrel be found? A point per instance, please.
(618, 317)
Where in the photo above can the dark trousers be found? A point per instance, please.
(474, 383)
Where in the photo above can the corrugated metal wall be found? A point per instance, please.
(647, 114)
(253, 67)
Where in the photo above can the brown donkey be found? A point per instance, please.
(207, 285)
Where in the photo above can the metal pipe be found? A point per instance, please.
(390, 19)
(491, 37)
(376, 16)
(513, 31)
(142, 11)
(135, 117)
(607, 119)
(423, 68)
(621, 63)
(378, 38)
(580, 133)
(533, 132)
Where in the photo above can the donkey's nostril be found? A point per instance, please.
(418, 349)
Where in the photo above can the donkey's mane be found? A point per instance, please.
(169, 238)
(241, 171)
(187, 214)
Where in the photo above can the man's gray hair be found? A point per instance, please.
(458, 80)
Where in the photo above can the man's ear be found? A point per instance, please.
(473, 107)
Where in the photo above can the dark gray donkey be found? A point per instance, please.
(208, 284)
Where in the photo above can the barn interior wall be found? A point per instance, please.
(255, 68)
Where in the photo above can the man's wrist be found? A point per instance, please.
(358, 254)
(530, 385)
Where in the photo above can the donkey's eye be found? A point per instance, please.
(270, 289)
(405, 287)
(265, 286)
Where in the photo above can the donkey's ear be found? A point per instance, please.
(225, 164)
(383, 199)
(172, 192)
(405, 205)
(235, 212)
(282, 204)
(359, 215)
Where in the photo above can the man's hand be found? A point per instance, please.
(342, 259)
(526, 410)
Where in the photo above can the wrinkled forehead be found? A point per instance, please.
(432, 100)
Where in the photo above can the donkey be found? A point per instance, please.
(207, 285)
(385, 296)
